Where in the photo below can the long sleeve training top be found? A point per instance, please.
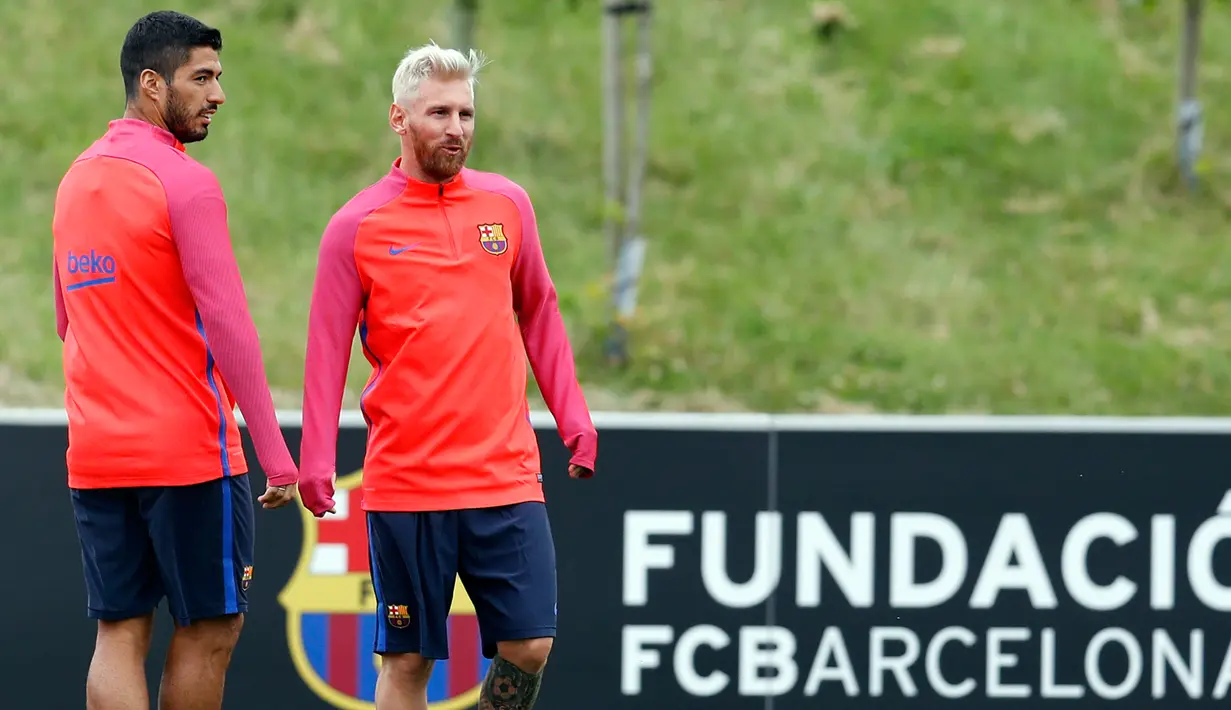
(450, 293)
(159, 345)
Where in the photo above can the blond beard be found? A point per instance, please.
(435, 162)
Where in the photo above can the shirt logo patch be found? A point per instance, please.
(491, 236)
(94, 269)
(394, 251)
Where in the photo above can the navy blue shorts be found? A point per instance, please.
(504, 557)
(190, 544)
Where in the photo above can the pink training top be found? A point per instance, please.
(449, 289)
(158, 340)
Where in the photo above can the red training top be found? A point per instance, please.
(157, 334)
(450, 292)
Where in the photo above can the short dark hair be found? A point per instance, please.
(163, 41)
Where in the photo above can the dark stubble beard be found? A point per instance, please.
(179, 118)
(435, 162)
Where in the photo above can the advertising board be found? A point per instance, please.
(749, 561)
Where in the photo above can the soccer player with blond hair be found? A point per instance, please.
(441, 270)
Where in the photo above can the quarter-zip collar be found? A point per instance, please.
(433, 190)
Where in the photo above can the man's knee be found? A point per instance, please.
(407, 669)
(216, 635)
(132, 634)
(530, 655)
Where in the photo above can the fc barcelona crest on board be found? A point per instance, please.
(491, 236)
(332, 615)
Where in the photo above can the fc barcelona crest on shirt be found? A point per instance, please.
(332, 616)
(491, 236)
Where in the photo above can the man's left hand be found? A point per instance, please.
(575, 471)
(277, 496)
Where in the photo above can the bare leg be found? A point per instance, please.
(116, 680)
(194, 676)
(513, 680)
(402, 682)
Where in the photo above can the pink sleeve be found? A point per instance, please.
(547, 344)
(61, 311)
(199, 228)
(337, 298)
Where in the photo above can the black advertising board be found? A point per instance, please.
(746, 562)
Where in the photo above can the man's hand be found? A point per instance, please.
(317, 494)
(277, 496)
(575, 471)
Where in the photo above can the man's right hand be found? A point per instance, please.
(277, 496)
(317, 495)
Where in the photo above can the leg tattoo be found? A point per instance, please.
(508, 687)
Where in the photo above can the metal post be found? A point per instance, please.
(1189, 127)
(613, 127)
(633, 244)
(623, 219)
(464, 13)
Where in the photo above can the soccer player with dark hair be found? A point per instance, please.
(441, 270)
(159, 347)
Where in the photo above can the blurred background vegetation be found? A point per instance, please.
(932, 206)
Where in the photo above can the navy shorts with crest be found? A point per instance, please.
(192, 545)
(504, 557)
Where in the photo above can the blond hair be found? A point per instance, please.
(433, 61)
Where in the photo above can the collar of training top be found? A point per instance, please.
(138, 126)
(427, 189)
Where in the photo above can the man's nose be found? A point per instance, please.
(217, 96)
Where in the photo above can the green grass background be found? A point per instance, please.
(954, 206)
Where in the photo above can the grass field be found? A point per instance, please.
(959, 205)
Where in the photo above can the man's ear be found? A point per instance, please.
(398, 119)
(151, 83)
